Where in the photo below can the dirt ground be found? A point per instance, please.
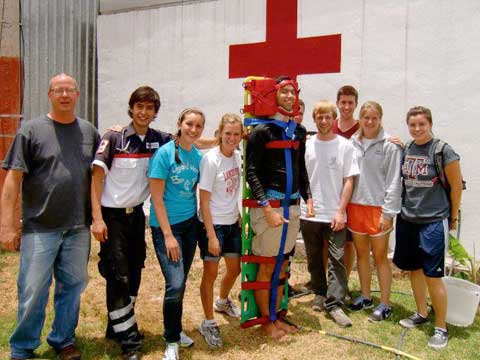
(238, 343)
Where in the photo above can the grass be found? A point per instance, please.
(239, 344)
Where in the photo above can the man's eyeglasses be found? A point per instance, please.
(61, 91)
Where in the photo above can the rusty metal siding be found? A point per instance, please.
(59, 36)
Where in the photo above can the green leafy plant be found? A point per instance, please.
(458, 252)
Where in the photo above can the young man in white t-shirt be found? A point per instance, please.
(331, 168)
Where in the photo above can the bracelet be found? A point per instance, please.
(263, 203)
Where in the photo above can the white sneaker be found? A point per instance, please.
(211, 333)
(185, 341)
(439, 340)
(228, 308)
(171, 352)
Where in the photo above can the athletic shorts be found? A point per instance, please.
(421, 246)
(229, 238)
(266, 241)
(364, 220)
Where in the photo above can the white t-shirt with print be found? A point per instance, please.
(328, 163)
(220, 175)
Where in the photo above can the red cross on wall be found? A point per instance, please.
(283, 53)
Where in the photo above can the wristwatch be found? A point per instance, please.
(263, 203)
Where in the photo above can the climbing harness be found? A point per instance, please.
(260, 100)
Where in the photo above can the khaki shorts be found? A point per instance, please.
(266, 241)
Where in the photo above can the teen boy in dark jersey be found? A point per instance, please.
(119, 188)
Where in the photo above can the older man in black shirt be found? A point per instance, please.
(49, 161)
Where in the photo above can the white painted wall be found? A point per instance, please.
(400, 53)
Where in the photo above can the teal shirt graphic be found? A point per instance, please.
(180, 180)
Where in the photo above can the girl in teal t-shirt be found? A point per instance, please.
(179, 180)
(174, 173)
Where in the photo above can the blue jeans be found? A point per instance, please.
(63, 254)
(175, 273)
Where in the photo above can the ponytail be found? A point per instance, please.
(177, 140)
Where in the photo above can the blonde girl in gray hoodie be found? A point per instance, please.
(375, 202)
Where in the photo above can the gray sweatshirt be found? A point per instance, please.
(379, 181)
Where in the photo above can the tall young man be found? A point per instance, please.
(347, 101)
(267, 177)
(331, 168)
(49, 162)
(119, 188)
(345, 125)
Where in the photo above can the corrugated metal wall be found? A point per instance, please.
(59, 36)
(117, 6)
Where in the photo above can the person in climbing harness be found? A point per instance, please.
(276, 173)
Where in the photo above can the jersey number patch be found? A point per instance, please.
(102, 146)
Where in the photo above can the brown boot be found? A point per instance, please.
(69, 352)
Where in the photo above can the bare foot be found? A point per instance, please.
(285, 327)
(274, 332)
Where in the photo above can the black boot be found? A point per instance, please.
(132, 355)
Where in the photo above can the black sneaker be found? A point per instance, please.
(414, 320)
(132, 355)
(110, 335)
(380, 313)
(361, 303)
(294, 293)
(318, 303)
